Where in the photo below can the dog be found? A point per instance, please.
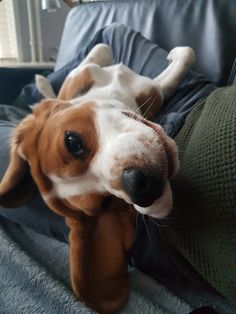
(95, 156)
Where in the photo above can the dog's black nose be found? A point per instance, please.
(143, 189)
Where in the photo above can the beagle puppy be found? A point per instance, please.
(95, 156)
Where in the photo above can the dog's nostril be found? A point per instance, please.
(142, 188)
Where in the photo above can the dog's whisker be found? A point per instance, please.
(145, 224)
(144, 115)
(145, 102)
(137, 221)
(158, 223)
(173, 131)
(153, 220)
(139, 108)
(160, 122)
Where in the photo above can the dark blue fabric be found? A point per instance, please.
(147, 59)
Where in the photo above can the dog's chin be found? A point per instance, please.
(160, 207)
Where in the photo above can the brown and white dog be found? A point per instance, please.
(94, 158)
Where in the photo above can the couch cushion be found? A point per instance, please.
(207, 26)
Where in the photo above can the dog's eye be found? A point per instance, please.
(75, 144)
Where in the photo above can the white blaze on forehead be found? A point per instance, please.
(121, 141)
(122, 137)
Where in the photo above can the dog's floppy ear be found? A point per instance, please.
(17, 186)
(98, 265)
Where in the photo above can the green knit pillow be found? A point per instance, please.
(203, 222)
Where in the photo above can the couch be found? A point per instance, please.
(208, 27)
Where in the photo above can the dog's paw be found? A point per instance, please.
(183, 54)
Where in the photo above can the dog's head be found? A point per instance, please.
(79, 155)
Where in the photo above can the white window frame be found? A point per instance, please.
(8, 38)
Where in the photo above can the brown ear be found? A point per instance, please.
(98, 264)
(17, 186)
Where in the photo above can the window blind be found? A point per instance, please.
(8, 40)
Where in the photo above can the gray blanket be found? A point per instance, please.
(34, 278)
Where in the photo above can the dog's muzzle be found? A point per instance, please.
(143, 188)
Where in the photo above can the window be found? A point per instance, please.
(8, 41)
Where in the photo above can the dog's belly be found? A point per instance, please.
(116, 84)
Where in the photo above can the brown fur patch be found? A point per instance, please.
(76, 85)
(40, 138)
(150, 102)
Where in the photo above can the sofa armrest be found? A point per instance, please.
(13, 79)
